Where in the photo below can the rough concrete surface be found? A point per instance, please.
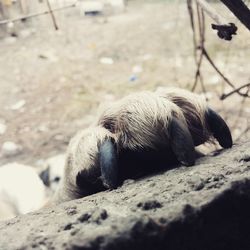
(206, 206)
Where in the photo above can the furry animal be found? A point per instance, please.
(52, 172)
(143, 131)
(21, 190)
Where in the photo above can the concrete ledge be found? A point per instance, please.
(201, 207)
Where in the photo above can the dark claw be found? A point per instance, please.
(109, 163)
(181, 142)
(219, 128)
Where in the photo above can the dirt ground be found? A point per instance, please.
(53, 81)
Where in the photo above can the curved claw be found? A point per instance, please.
(219, 128)
(181, 142)
(108, 160)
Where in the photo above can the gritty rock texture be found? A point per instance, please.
(206, 206)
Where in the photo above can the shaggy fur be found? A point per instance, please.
(134, 133)
(82, 158)
(193, 107)
(140, 120)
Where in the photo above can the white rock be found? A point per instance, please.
(146, 57)
(10, 148)
(137, 69)
(2, 128)
(42, 128)
(106, 60)
(18, 105)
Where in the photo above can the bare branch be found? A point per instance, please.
(52, 15)
(217, 70)
(191, 15)
(201, 26)
(212, 12)
(200, 52)
(225, 29)
(224, 96)
(37, 14)
(240, 10)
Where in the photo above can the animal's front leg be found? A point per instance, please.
(103, 173)
(91, 165)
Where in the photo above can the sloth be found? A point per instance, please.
(142, 132)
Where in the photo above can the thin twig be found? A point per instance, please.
(197, 73)
(201, 28)
(204, 54)
(202, 38)
(225, 30)
(222, 75)
(37, 14)
(240, 10)
(52, 15)
(224, 96)
(212, 12)
(191, 15)
(216, 69)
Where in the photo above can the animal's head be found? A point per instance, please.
(53, 172)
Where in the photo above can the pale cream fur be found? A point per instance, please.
(197, 100)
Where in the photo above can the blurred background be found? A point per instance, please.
(55, 70)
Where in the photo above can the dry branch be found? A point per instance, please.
(212, 12)
(199, 46)
(37, 14)
(201, 26)
(225, 29)
(236, 90)
(224, 96)
(52, 15)
(240, 10)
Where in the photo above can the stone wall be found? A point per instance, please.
(202, 207)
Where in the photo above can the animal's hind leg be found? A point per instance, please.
(108, 160)
(181, 142)
(219, 128)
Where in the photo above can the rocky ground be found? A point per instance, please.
(201, 207)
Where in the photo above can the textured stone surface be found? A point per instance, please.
(206, 206)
